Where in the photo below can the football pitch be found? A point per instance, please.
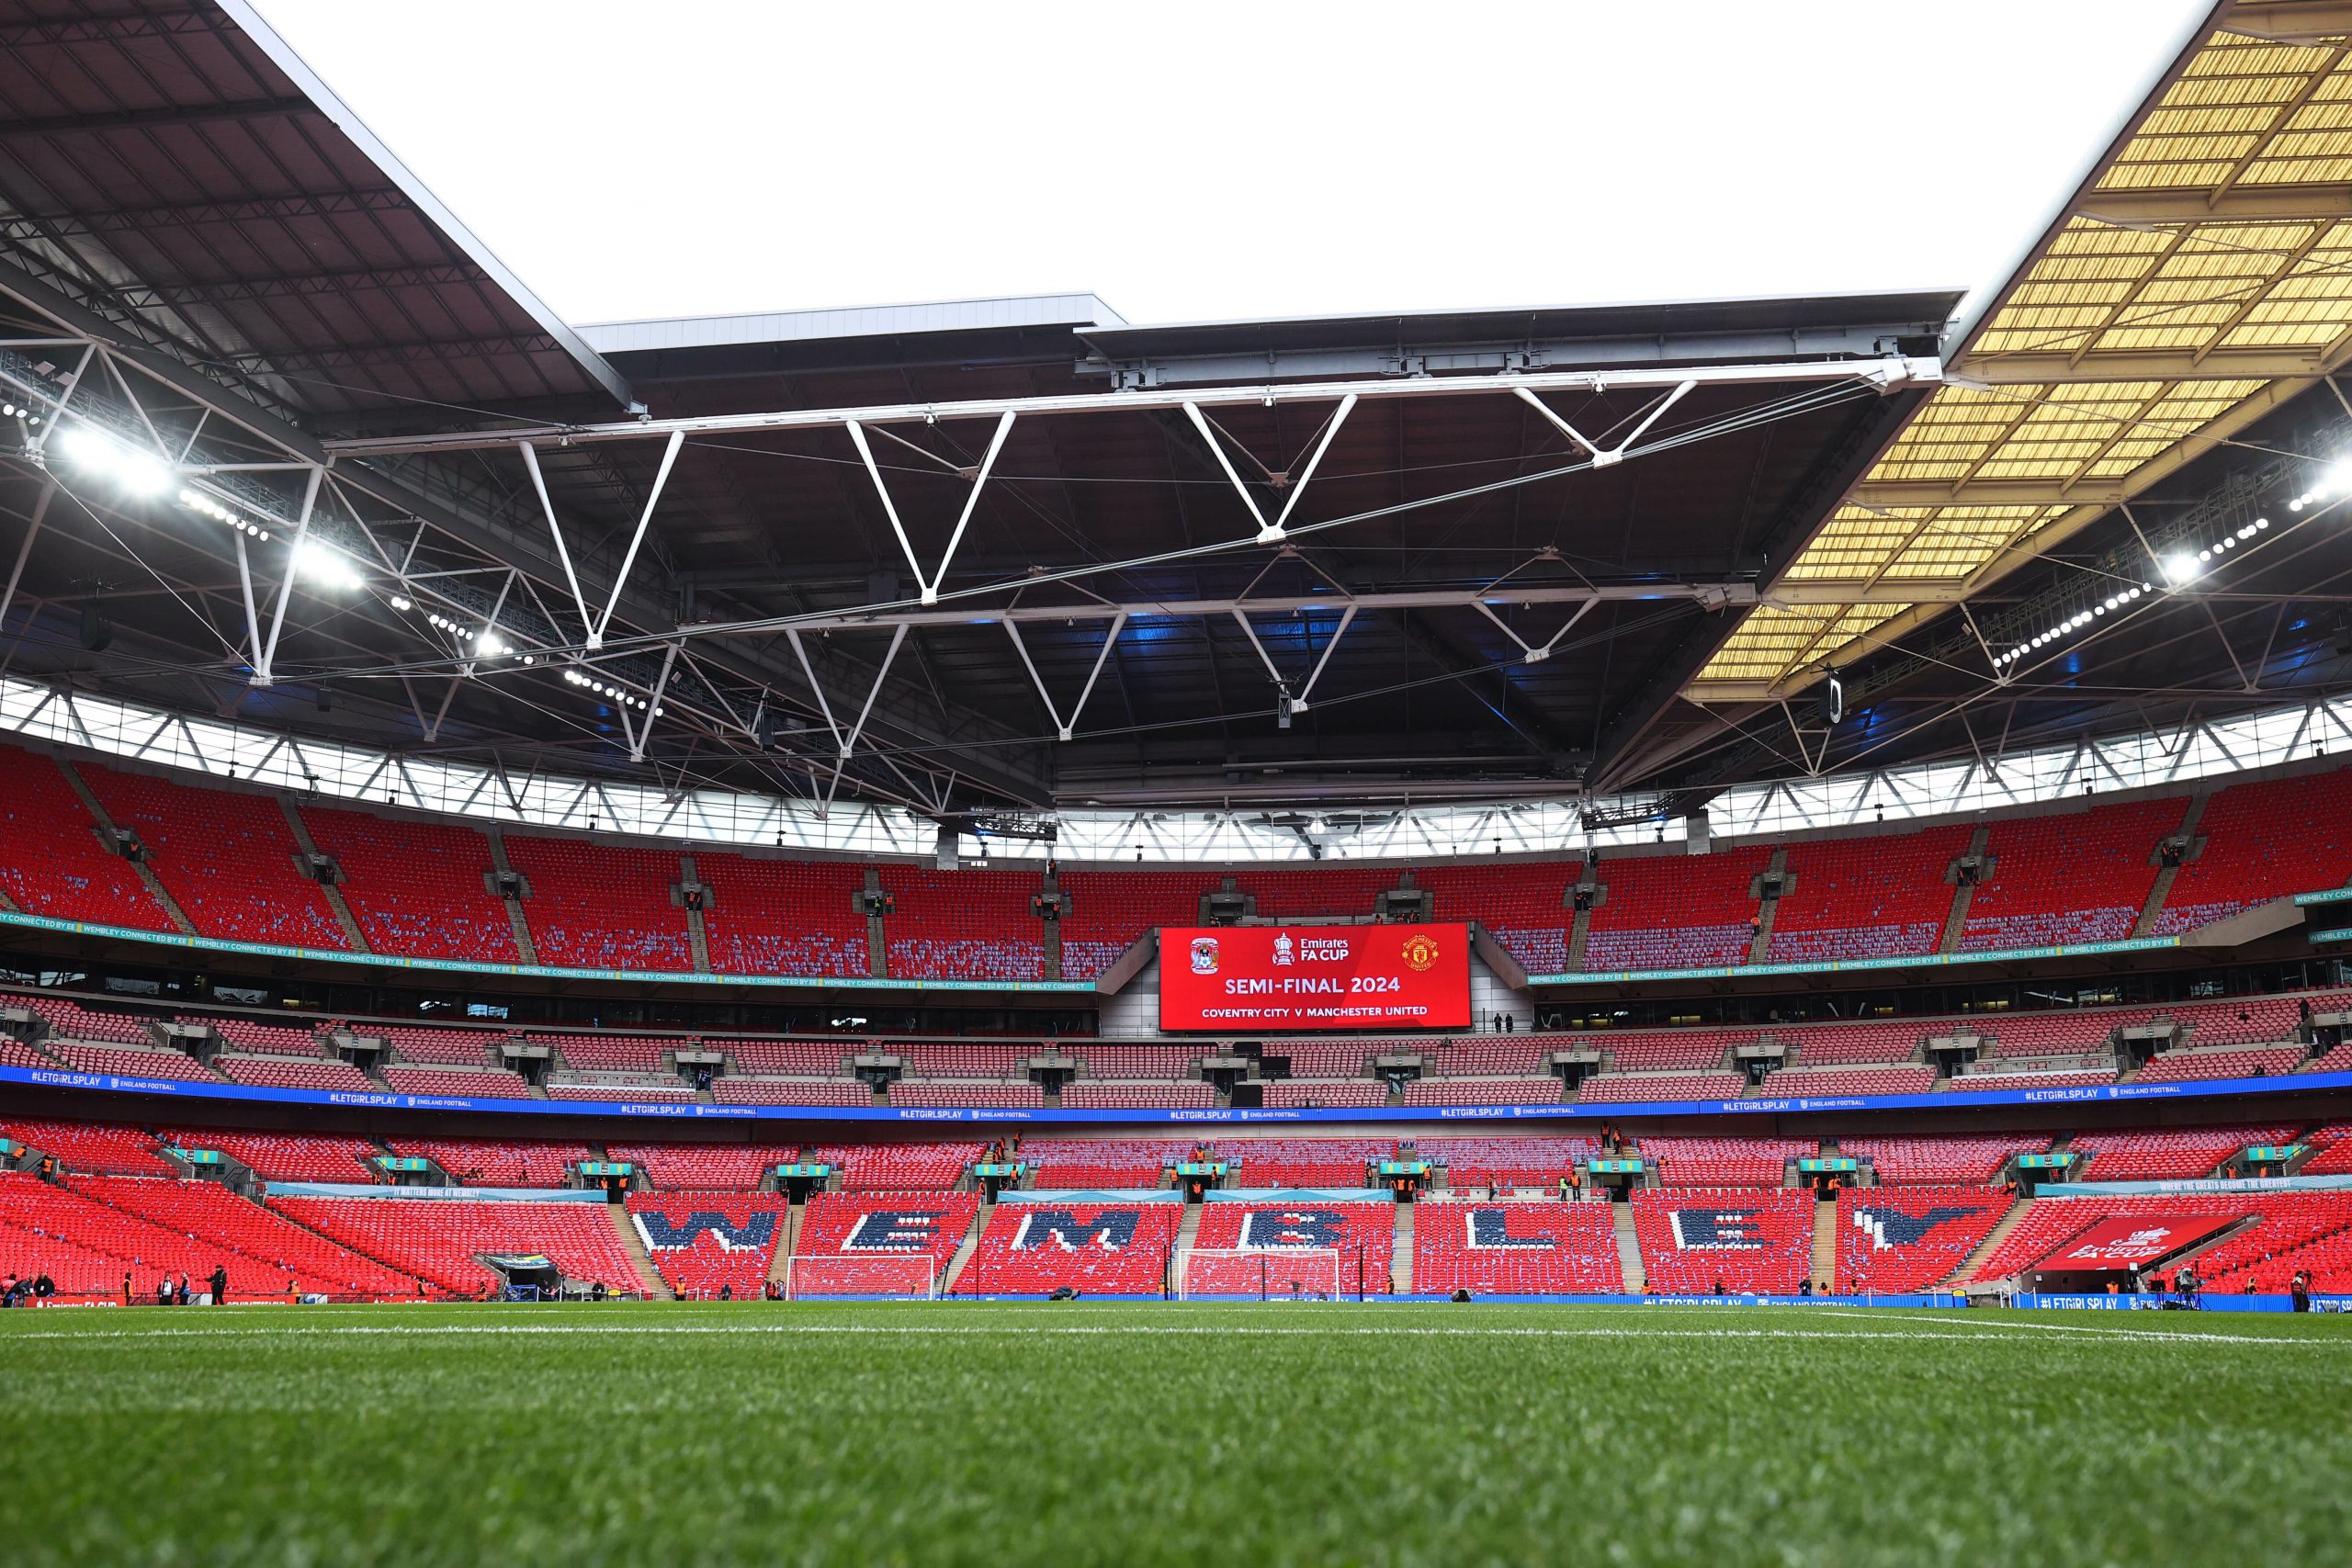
(1103, 1433)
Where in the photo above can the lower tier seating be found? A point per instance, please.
(1363, 1234)
(288, 1156)
(859, 1244)
(897, 1167)
(1515, 1248)
(208, 1210)
(508, 1162)
(439, 1240)
(1740, 1239)
(706, 1243)
(1098, 1250)
(1958, 1159)
(91, 1146)
(1725, 1162)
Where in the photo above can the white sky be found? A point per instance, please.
(1214, 160)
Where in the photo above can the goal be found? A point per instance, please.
(893, 1275)
(1260, 1274)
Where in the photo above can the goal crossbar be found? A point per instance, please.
(911, 1276)
(1261, 1274)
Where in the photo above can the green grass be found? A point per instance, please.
(1198, 1434)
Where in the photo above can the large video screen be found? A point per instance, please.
(1236, 979)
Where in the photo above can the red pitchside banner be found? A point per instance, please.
(2131, 1242)
(1236, 978)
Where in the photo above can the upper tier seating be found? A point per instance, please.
(74, 1022)
(2114, 1155)
(445, 1047)
(1132, 1062)
(1745, 1239)
(1328, 1059)
(789, 1091)
(1515, 1248)
(1875, 897)
(858, 1242)
(1627, 1088)
(1676, 912)
(498, 1162)
(610, 1053)
(974, 925)
(288, 1156)
(1667, 1050)
(228, 859)
(51, 860)
(207, 1212)
(290, 1072)
(1522, 904)
(1483, 1091)
(796, 1058)
(416, 889)
(15, 1053)
(1957, 1158)
(1851, 1045)
(1363, 1234)
(897, 1167)
(1893, 1239)
(131, 1061)
(251, 1037)
(486, 1083)
(1491, 1055)
(1099, 1094)
(1914, 1078)
(621, 1088)
(1725, 1162)
(601, 906)
(958, 1059)
(2074, 877)
(2263, 841)
(705, 1242)
(1988, 1083)
(91, 1146)
(1110, 910)
(980, 1092)
(1296, 1094)
(2184, 1067)
(704, 1168)
(1098, 1250)
(780, 916)
(438, 1241)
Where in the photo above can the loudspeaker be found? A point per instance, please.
(97, 630)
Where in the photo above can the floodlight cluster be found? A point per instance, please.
(610, 692)
(131, 471)
(2184, 566)
(197, 502)
(2071, 624)
(487, 643)
(326, 566)
(2333, 485)
(18, 411)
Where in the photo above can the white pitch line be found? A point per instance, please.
(1083, 1330)
(1985, 1325)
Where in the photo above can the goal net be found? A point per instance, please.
(1260, 1274)
(909, 1276)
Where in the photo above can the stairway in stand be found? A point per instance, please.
(1825, 1246)
(1629, 1249)
(1401, 1271)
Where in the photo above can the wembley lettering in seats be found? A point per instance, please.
(1490, 1228)
(1111, 1229)
(895, 1230)
(1269, 1229)
(1889, 1228)
(1719, 1230)
(661, 1233)
(1279, 978)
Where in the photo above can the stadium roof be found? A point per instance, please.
(1023, 552)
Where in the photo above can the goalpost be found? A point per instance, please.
(1261, 1274)
(899, 1276)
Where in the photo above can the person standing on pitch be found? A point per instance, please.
(219, 1284)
